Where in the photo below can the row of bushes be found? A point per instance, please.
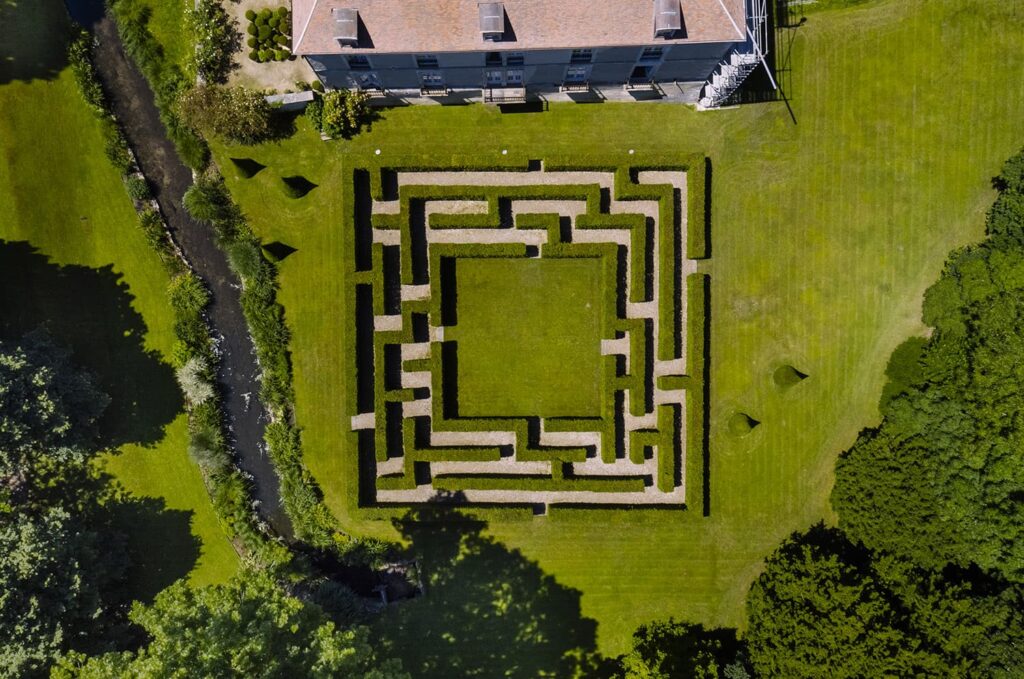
(166, 79)
(698, 296)
(115, 146)
(216, 37)
(193, 355)
(603, 484)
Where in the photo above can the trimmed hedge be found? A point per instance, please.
(670, 418)
(698, 291)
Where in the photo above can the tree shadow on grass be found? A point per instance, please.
(33, 34)
(89, 311)
(159, 541)
(487, 611)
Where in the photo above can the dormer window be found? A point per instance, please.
(668, 18)
(346, 26)
(492, 20)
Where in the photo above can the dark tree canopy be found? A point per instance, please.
(44, 401)
(825, 607)
(58, 569)
(941, 480)
(53, 573)
(247, 628)
(667, 649)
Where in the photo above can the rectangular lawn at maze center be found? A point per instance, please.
(529, 337)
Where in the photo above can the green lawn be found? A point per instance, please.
(529, 337)
(75, 261)
(167, 24)
(826, 232)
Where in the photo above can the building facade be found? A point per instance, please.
(447, 51)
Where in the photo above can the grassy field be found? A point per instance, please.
(75, 261)
(830, 217)
(529, 337)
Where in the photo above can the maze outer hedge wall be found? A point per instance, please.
(412, 219)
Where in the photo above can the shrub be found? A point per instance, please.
(80, 60)
(217, 39)
(206, 449)
(246, 259)
(282, 11)
(234, 114)
(251, 42)
(207, 201)
(273, 21)
(318, 86)
(153, 228)
(187, 294)
(281, 40)
(280, 55)
(138, 187)
(194, 381)
(344, 112)
(115, 146)
(315, 112)
(252, 30)
(263, 32)
(250, 14)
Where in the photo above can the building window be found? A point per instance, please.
(577, 74)
(514, 59)
(581, 56)
(431, 80)
(492, 59)
(368, 81)
(651, 55)
(426, 61)
(357, 62)
(494, 78)
(514, 77)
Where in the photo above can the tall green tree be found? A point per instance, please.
(941, 480)
(666, 649)
(247, 628)
(59, 566)
(54, 575)
(825, 607)
(44, 400)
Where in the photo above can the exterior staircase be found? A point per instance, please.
(741, 60)
(727, 78)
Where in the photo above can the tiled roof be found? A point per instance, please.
(427, 26)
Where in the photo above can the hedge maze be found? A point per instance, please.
(531, 334)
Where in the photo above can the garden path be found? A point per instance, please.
(134, 105)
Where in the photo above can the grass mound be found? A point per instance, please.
(786, 376)
(297, 186)
(741, 424)
(247, 168)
